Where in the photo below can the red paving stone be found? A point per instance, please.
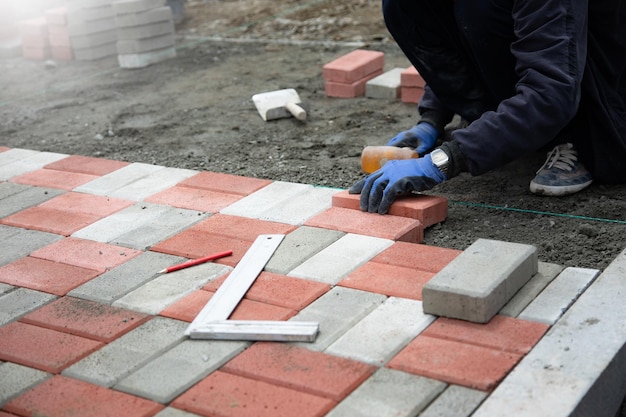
(44, 275)
(456, 363)
(353, 66)
(428, 209)
(349, 90)
(370, 224)
(279, 290)
(411, 95)
(299, 368)
(54, 179)
(188, 308)
(409, 77)
(50, 220)
(423, 257)
(391, 280)
(4, 149)
(225, 183)
(241, 227)
(41, 348)
(3, 414)
(61, 396)
(87, 165)
(86, 254)
(226, 395)
(95, 205)
(501, 333)
(194, 198)
(86, 318)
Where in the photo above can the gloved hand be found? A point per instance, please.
(421, 137)
(397, 177)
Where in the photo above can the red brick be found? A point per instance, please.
(194, 199)
(422, 257)
(36, 53)
(456, 363)
(54, 179)
(59, 36)
(56, 16)
(390, 280)
(86, 318)
(371, 224)
(35, 41)
(86, 254)
(87, 165)
(280, 290)
(240, 227)
(225, 395)
(87, 203)
(353, 66)
(3, 414)
(62, 396)
(298, 368)
(411, 95)
(188, 308)
(349, 90)
(47, 276)
(41, 348)
(501, 333)
(428, 209)
(4, 149)
(225, 183)
(409, 77)
(34, 27)
(50, 220)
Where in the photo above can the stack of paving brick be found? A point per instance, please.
(92, 30)
(34, 38)
(412, 86)
(9, 32)
(346, 77)
(145, 32)
(59, 34)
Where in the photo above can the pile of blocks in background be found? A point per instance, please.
(139, 32)
(361, 72)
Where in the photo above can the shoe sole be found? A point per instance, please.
(557, 191)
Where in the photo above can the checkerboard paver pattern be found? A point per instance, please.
(84, 315)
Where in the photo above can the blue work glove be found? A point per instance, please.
(422, 138)
(397, 177)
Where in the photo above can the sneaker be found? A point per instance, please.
(561, 174)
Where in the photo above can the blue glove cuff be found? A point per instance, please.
(427, 134)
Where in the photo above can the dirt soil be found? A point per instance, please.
(195, 111)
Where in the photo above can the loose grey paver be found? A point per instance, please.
(389, 393)
(23, 243)
(480, 281)
(18, 197)
(152, 183)
(27, 164)
(146, 58)
(546, 273)
(21, 301)
(174, 412)
(145, 31)
(299, 246)
(117, 179)
(16, 379)
(579, 367)
(135, 6)
(172, 221)
(386, 85)
(118, 282)
(123, 356)
(550, 305)
(157, 14)
(455, 401)
(340, 258)
(336, 312)
(166, 289)
(139, 46)
(301, 208)
(5, 288)
(383, 332)
(172, 373)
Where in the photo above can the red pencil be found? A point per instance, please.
(196, 262)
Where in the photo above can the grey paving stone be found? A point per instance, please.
(22, 243)
(385, 86)
(85, 15)
(27, 164)
(5, 288)
(135, 6)
(299, 246)
(123, 356)
(92, 40)
(15, 154)
(146, 58)
(118, 282)
(579, 367)
(337, 311)
(174, 412)
(152, 183)
(117, 179)
(145, 31)
(550, 305)
(480, 281)
(21, 301)
(269, 197)
(97, 52)
(16, 379)
(455, 401)
(17, 197)
(302, 207)
(389, 393)
(146, 45)
(340, 258)
(74, 5)
(546, 273)
(83, 28)
(172, 373)
(139, 18)
(169, 223)
(383, 332)
(166, 289)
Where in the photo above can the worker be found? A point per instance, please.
(525, 75)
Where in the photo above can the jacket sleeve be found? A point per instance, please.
(550, 51)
